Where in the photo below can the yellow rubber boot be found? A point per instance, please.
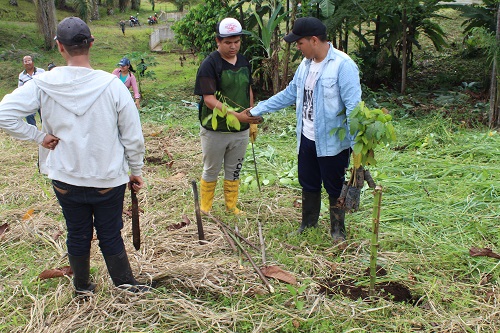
(231, 188)
(207, 191)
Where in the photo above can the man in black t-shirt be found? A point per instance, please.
(224, 83)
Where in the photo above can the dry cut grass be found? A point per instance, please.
(211, 288)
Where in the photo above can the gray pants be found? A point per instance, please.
(218, 147)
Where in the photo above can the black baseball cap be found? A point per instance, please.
(73, 31)
(305, 27)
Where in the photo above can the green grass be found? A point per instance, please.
(19, 37)
(441, 197)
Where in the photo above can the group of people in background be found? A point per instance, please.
(90, 166)
(124, 72)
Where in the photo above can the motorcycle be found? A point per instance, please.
(134, 21)
(152, 20)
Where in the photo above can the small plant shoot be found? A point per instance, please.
(370, 128)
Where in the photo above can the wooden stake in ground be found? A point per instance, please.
(377, 201)
(262, 245)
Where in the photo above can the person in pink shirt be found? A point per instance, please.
(125, 74)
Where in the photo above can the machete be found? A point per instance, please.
(136, 230)
(201, 234)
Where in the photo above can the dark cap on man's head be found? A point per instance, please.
(305, 27)
(73, 31)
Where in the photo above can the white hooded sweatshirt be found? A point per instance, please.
(93, 115)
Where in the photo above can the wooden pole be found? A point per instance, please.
(377, 201)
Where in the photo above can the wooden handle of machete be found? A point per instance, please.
(136, 230)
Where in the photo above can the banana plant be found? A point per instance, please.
(269, 42)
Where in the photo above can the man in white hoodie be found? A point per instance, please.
(92, 139)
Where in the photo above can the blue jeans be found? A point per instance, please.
(31, 118)
(86, 208)
(314, 170)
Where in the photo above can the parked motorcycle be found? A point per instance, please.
(134, 21)
(152, 20)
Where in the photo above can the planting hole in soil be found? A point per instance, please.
(390, 291)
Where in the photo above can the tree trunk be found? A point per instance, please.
(95, 10)
(494, 116)
(46, 19)
(404, 67)
(346, 36)
(376, 40)
(136, 5)
(122, 4)
(275, 61)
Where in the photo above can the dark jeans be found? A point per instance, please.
(87, 207)
(31, 118)
(314, 170)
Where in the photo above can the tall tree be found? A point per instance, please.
(399, 24)
(494, 116)
(95, 10)
(136, 5)
(46, 19)
(122, 5)
(84, 9)
(482, 23)
(110, 7)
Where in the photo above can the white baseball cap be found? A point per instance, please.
(229, 27)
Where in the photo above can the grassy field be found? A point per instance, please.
(440, 199)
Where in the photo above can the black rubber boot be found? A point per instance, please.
(81, 275)
(121, 273)
(337, 221)
(311, 205)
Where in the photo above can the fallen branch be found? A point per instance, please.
(228, 239)
(257, 269)
(233, 231)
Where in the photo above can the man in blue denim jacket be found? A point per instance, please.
(325, 89)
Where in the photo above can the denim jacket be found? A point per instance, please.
(337, 89)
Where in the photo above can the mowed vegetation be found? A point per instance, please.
(441, 199)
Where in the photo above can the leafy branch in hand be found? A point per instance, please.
(231, 120)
